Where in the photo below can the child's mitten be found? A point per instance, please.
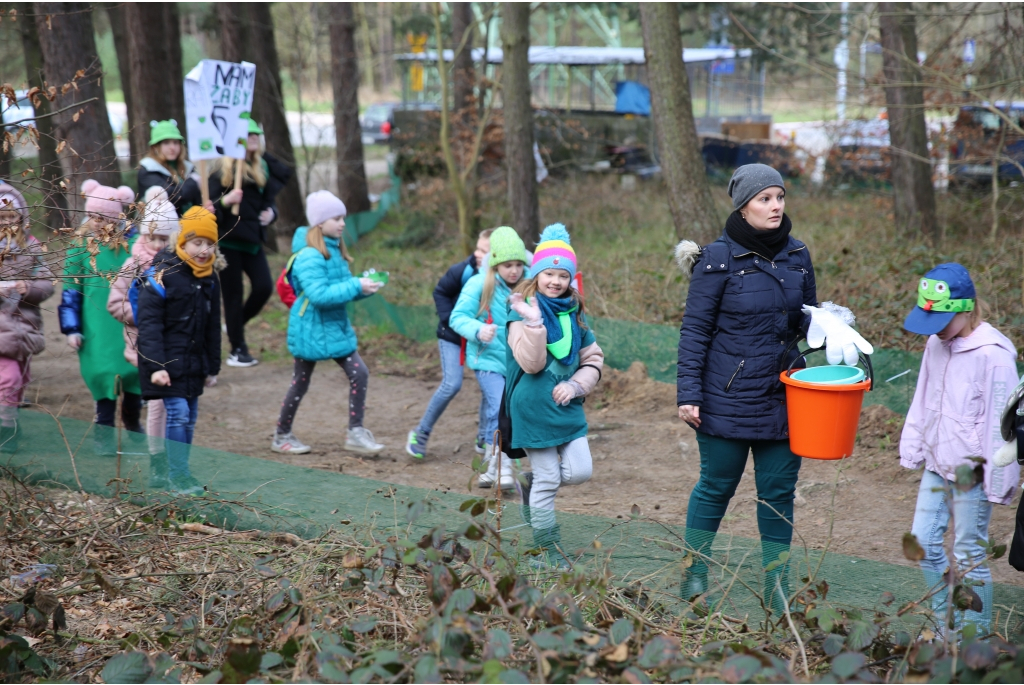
(566, 391)
(529, 311)
(1006, 455)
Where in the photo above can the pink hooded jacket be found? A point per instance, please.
(960, 396)
(117, 303)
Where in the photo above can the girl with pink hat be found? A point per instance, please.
(91, 331)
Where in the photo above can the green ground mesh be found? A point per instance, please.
(246, 492)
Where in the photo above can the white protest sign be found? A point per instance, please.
(218, 103)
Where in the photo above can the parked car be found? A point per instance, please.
(378, 121)
(976, 137)
(21, 109)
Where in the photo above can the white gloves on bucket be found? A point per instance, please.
(831, 325)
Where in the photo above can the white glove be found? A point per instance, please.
(75, 341)
(1006, 455)
(529, 312)
(486, 333)
(210, 381)
(566, 391)
(840, 340)
(369, 287)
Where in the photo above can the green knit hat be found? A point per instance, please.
(160, 131)
(255, 128)
(506, 246)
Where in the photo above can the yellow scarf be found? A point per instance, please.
(200, 270)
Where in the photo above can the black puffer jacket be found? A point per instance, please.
(183, 195)
(446, 294)
(246, 226)
(179, 329)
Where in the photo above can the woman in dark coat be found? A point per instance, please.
(165, 166)
(743, 314)
(242, 237)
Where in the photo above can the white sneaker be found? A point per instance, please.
(287, 443)
(487, 479)
(361, 440)
(507, 481)
(480, 446)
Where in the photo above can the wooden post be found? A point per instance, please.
(239, 163)
(204, 182)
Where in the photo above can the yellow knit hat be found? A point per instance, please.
(197, 223)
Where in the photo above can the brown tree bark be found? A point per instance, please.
(152, 78)
(248, 35)
(519, 162)
(68, 45)
(463, 74)
(693, 208)
(115, 15)
(176, 70)
(910, 168)
(385, 44)
(352, 187)
(49, 169)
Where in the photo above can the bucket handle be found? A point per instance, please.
(865, 359)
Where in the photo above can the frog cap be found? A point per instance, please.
(941, 294)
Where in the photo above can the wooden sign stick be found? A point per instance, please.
(204, 182)
(239, 163)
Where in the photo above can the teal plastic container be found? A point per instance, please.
(830, 375)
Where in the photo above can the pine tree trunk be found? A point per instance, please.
(910, 168)
(176, 70)
(49, 169)
(268, 106)
(247, 34)
(68, 45)
(115, 15)
(150, 75)
(693, 208)
(345, 81)
(515, 96)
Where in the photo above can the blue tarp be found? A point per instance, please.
(632, 98)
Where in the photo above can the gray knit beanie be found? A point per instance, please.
(749, 180)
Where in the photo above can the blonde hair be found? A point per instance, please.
(980, 312)
(315, 240)
(488, 292)
(528, 289)
(253, 170)
(177, 167)
(486, 233)
(16, 230)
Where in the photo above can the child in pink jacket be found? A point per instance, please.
(25, 281)
(158, 227)
(967, 373)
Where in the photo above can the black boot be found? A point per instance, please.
(8, 439)
(526, 484)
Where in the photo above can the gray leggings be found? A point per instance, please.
(358, 378)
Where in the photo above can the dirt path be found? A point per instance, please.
(642, 453)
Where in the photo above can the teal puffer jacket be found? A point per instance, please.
(318, 325)
(466, 322)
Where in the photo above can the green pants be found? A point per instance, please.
(722, 462)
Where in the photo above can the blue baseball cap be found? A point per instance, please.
(944, 291)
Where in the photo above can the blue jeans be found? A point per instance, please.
(181, 424)
(451, 383)
(492, 386)
(971, 512)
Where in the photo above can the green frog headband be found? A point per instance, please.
(933, 296)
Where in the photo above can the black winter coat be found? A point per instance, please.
(742, 313)
(246, 226)
(182, 195)
(179, 330)
(446, 293)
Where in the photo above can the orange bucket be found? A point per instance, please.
(823, 418)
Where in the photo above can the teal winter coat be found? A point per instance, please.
(318, 325)
(466, 322)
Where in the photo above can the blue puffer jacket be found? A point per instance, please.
(318, 325)
(466, 322)
(742, 313)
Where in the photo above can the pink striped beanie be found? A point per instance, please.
(554, 251)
